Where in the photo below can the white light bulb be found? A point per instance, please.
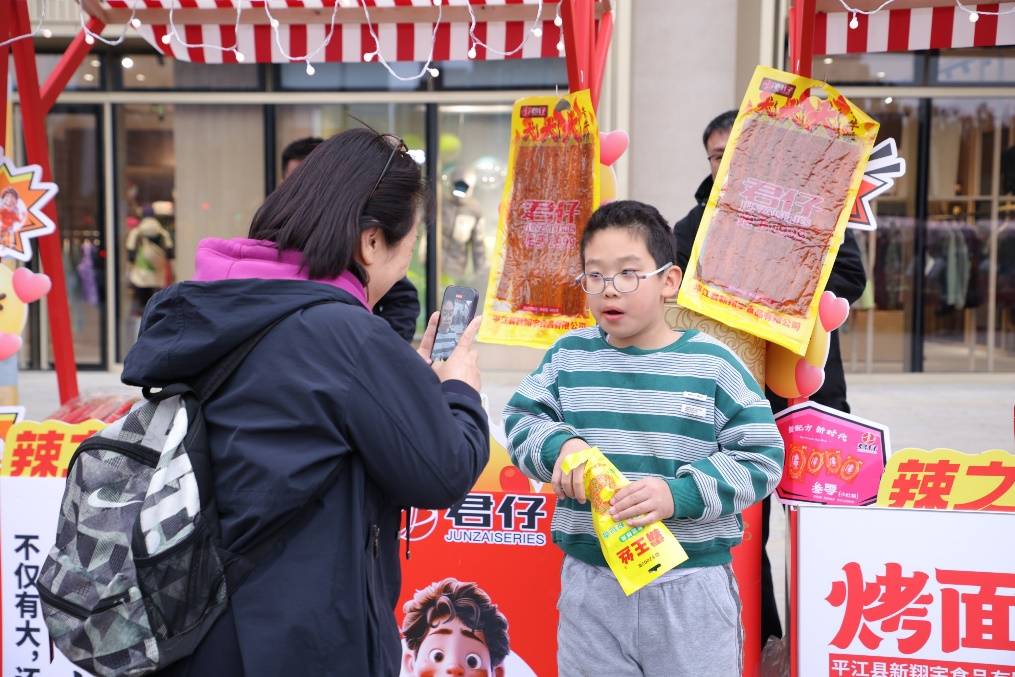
(436, 3)
(89, 77)
(141, 77)
(433, 72)
(557, 21)
(472, 52)
(854, 23)
(89, 39)
(889, 99)
(274, 22)
(973, 17)
(166, 39)
(537, 32)
(369, 56)
(46, 33)
(136, 23)
(310, 69)
(560, 45)
(127, 62)
(239, 56)
(829, 61)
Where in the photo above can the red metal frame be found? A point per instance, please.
(34, 106)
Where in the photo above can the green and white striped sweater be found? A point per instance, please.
(689, 413)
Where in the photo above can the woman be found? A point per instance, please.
(330, 386)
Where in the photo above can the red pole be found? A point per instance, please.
(747, 569)
(602, 50)
(579, 22)
(69, 62)
(33, 116)
(801, 48)
(4, 52)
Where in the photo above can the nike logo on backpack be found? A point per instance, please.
(100, 503)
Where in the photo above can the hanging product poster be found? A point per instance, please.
(552, 189)
(832, 458)
(23, 194)
(778, 211)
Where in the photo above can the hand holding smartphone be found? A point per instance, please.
(458, 308)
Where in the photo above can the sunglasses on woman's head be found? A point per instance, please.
(397, 147)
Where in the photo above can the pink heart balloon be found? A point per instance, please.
(612, 145)
(833, 311)
(30, 286)
(808, 378)
(10, 344)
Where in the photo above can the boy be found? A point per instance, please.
(453, 628)
(683, 419)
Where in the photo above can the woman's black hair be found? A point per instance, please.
(331, 198)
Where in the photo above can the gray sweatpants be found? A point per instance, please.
(684, 624)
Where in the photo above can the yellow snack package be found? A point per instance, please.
(636, 555)
(552, 188)
(778, 209)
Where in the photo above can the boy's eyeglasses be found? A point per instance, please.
(626, 282)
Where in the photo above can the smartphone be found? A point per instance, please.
(457, 310)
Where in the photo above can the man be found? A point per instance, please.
(400, 306)
(847, 280)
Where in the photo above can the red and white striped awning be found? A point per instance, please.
(912, 29)
(404, 29)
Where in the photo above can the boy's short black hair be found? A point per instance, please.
(720, 123)
(637, 217)
(300, 149)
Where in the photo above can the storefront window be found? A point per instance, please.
(75, 150)
(970, 267)
(877, 337)
(404, 120)
(87, 76)
(350, 77)
(152, 71)
(974, 66)
(513, 74)
(875, 68)
(172, 192)
(473, 162)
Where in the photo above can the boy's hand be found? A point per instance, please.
(642, 502)
(572, 484)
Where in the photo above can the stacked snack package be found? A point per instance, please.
(778, 211)
(552, 188)
(636, 555)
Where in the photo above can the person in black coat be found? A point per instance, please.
(848, 280)
(330, 389)
(400, 306)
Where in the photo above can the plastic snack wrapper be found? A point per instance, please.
(779, 207)
(551, 190)
(636, 555)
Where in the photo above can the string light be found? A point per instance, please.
(531, 34)
(91, 37)
(310, 69)
(427, 69)
(557, 20)
(311, 54)
(31, 34)
(135, 23)
(173, 33)
(472, 51)
(974, 13)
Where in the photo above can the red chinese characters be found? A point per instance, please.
(975, 609)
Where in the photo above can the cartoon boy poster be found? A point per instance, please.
(454, 628)
(23, 194)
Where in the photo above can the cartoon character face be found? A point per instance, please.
(13, 311)
(452, 649)
(9, 200)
